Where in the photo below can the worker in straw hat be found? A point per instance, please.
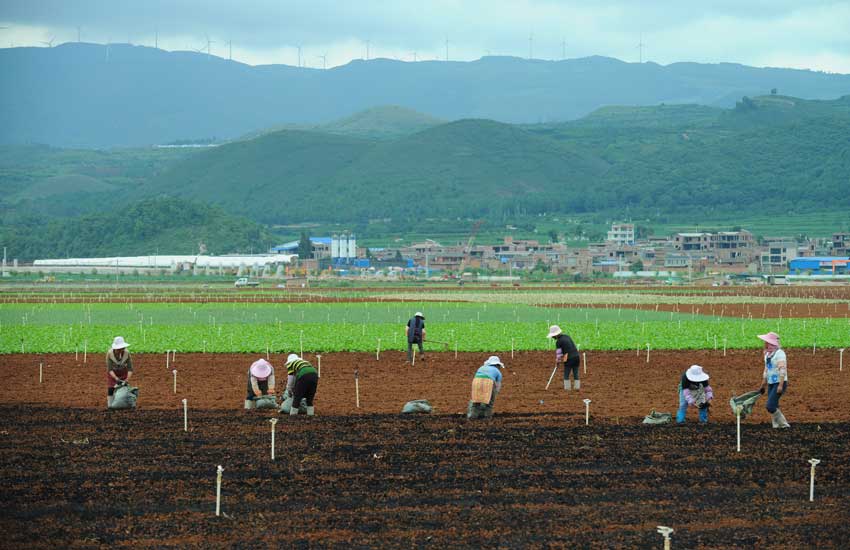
(485, 387)
(566, 352)
(119, 367)
(301, 383)
(774, 377)
(694, 391)
(415, 332)
(260, 381)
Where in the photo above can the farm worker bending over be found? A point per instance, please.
(301, 383)
(260, 381)
(775, 372)
(415, 332)
(119, 366)
(694, 391)
(485, 387)
(566, 352)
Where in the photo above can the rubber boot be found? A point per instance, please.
(567, 384)
(577, 384)
(293, 411)
(249, 404)
(774, 420)
(109, 400)
(311, 411)
(779, 420)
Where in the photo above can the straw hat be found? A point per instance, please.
(291, 358)
(771, 338)
(261, 369)
(554, 330)
(494, 361)
(696, 374)
(119, 343)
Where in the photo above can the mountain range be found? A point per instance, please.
(120, 95)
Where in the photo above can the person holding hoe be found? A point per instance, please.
(260, 382)
(415, 332)
(119, 367)
(694, 391)
(566, 352)
(775, 373)
(485, 387)
(301, 383)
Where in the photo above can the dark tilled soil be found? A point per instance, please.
(83, 478)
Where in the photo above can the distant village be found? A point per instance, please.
(719, 257)
(678, 256)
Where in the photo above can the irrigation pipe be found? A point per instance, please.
(586, 412)
(665, 532)
(185, 415)
(378, 351)
(218, 490)
(584, 360)
(738, 422)
(357, 387)
(319, 360)
(174, 372)
(273, 421)
(841, 359)
(40, 373)
(647, 352)
(814, 462)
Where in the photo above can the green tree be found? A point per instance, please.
(636, 266)
(305, 247)
(553, 235)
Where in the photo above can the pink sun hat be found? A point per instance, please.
(771, 338)
(261, 369)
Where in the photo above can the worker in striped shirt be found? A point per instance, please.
(301, 383)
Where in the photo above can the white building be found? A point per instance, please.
(622, 233)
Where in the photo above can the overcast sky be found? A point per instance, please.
(811, 34)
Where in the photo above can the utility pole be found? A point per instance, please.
(640, 48)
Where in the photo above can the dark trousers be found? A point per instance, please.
(571, 365)
(410, 349)
(262, 384)
(773, 396)
(305, 388)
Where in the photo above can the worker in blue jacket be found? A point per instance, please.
(486, 385)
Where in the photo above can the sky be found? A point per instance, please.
(805, 34)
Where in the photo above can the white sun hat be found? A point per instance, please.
(418, 314)
(494, 361)
(696, 374)
(291, 358)
(119, 343)
(554, 330)
(261, 369)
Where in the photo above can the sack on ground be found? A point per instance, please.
(265, 402)
(482, 390)
(417, 406)
(286, 406)
(658, 418)
(745, 401)
(124, 397)
(479, 410)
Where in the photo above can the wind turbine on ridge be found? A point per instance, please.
(50, 43)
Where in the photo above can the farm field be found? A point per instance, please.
(535, 475)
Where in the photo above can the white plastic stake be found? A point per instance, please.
(724, 346)
(185, 415)
(167, 362)
(173, 356)
(814, 346)
(85, 351)
(357, 388)
(40, 373)
(455, 349)
(586, 412)
(512, 348)
(665, 532)
(174, 372)
(814, 462)
(378, 351)
(647, 352)
(551, 376)
(841, 359)
(218, 490)
(319, 360)
(301, 343)
(267, 351)
(738, 422)
(414, 358)
(273, 422)
(584, 361)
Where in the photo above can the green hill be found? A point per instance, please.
(165, 224)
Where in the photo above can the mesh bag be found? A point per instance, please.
(265, 402)
(417, 406)
(745, 401)
(286, 406)
(124, 397)
(657, 418)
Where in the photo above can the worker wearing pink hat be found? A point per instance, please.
(775, 373)
(260, 381)
(119, 367)
(566, 352)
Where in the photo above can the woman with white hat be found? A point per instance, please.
(775, 371)
(301, 383)
(260, 381)
(694, 391)
(566, 352)
(485, 387)
(119, 367)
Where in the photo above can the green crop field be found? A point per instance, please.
(477, 326)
